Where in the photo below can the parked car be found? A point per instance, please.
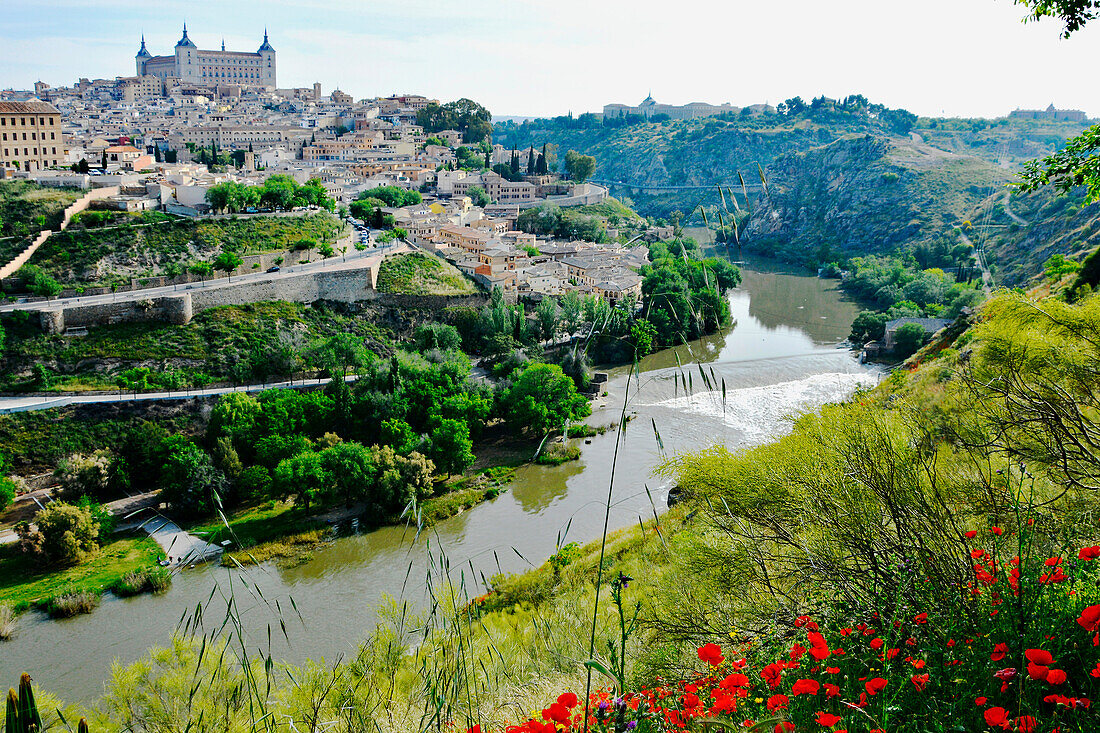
(274, 268)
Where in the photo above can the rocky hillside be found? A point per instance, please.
(865, 194)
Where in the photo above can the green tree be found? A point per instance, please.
(548, 317)
(579, 167)
(434, 335)
(478, 196)
(228, 261)
(7, 486)
(351, 470)
(38, 282)
(202, 269)
(190, 483)
(302, 477)
(451, 448)
(61, 534)
(909, 338)
(1058, 266)
(642, 335)
(542, 398)
(868, 326)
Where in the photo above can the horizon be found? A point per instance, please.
(512, 67)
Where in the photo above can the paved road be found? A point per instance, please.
(32, 403)
(352, 260)
(1011, 214)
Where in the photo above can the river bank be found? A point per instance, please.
(781, 356)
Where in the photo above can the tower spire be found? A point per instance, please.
(223, 44)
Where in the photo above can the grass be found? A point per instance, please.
(7, 621)
(557, 453)
(420, 274)
(99, 257)
(71, 603)
(26, 208)
(150, 580)
(24, 582)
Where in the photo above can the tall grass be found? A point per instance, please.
(73, 603)
(7, 621)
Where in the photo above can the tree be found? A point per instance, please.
(547, 314)
(572, 309)
(868, 326)
(909, 338)
(7, 486)
(451, 448)
(340, 352)
(542, 398)
(1073, 13)
(202, 269)
(61, 534)
(393, 196)
(351, 470)
(478, 196)
(81, 474)
(642, 336)
(38, 282)
(435, 335)
(302, 477)
(579, 167)
(279, 191)
(190, 483)
(227, 262)
(1057, 266)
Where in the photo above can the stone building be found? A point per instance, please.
(30, 136)
(191, 64)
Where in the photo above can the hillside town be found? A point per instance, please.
(191, 121)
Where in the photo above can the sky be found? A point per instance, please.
(549, 57)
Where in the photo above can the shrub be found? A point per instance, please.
(62, 534)
(558, 453)
(150, 580)
(72, 603)
(7, 621)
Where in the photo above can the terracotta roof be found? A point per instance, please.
(32, 106)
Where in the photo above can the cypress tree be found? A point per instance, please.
(543, 163)
(531, 161)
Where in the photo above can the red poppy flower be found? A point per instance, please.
(877, 643)
(805, 687)
(568, 699)
(1095, 672)
(689, 700)
(971, 534)
(919, 681)
(997, 718)
(797, 651)
(831, 690)
(1025, 724)
(977, 553)
(980, 701)
(474, 729)
(1037, 671)
(997, 531)
(1090, 618)
(784, 727)
(874, 685)
(735, 680)
(777, 702)
(711, 654)
(999, 652)
(772, 674)
(558, 713)
(920, 618)
(827, 719)
(1089, 553)
(1056, 676)
(836, 670)
(1039, 656)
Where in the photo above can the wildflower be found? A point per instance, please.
(734, 680)
(999, 652)
(1090, 618)
(1039, 656)
(557, 712)
(711, 654)
(877, 643)
(777, 702)
(831, 690)
(997, 718)
(980, 701)
(1056, 676)
(836, 670)
(1005, 675)
(1095, 672)
(1089, 553)
(997, 531)
(797, 651)
(971, 534)
(827, 720)
(1025, 724)
(1051, 562)
(805, 687)
(874, 685)
(772, 674)
(920, 618)
(568, 699)
(690, 700)
(919, 681)
(784, 727)
(474, 729)
(819, 649)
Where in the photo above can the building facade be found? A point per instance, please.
(191, 64)
(30, 136)
(651, 108)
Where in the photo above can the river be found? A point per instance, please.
(781, 356)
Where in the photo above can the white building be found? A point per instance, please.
(191, 64)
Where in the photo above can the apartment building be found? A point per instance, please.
(30, 136)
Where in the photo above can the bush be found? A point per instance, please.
(62, 534)
(66, 605)
(7, 621)
(558, 453)
(151, 580)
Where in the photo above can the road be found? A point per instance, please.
(351, 260)
(46, 402)
(1011, 214)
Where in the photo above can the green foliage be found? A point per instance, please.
(38, 282)
(557, 453)
(684, 298)
(868, 326)
(551, 220)
(392, 196)
(189, 483)
(579, 167)
(1057, 266)
(1073, 13)
(451, 448)
(542, 398)
(420, 274)
(1077, 164)
(909, 338)
(61, 534)
(478, 196)
(21, 711)
(464, 115)
(435, 335)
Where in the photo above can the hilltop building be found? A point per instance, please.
(650, 108)
(191, 64)
(30, 136)
(1050, 113)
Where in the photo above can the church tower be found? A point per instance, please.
(267, 60)
(141, 56)
(186, 62)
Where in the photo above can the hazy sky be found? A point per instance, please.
(545, 57)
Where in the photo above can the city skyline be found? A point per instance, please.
(534, 58)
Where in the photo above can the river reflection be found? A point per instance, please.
(780, 357)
